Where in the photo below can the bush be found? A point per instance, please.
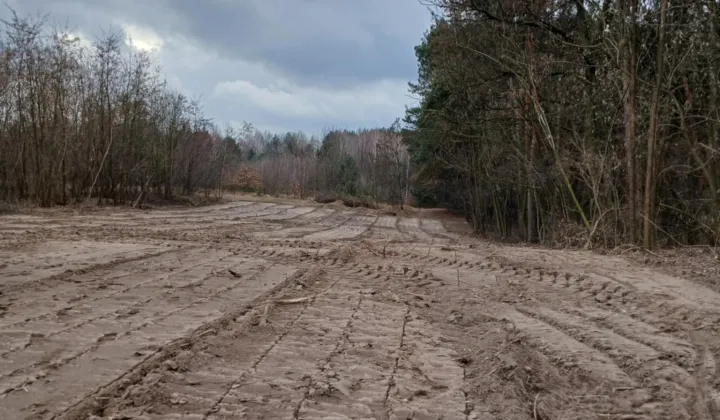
(366, 202)
(347, 200)
(325, 198)
(245, 180)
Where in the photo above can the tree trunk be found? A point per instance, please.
(649, 210)
(531, 141)
(629, 81)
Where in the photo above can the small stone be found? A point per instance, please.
(343, 387)
(177, 399)
(454, 317)
(170, 365)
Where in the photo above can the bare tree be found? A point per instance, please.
(98, 122)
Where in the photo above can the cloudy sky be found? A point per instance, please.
(283, 65)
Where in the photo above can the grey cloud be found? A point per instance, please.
(331, 44)
(326, 42)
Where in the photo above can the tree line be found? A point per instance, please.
(595, 119)
(79, 122)
(99, 122)
(588, 119)
(362, 166)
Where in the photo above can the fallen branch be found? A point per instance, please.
(369, 248)
(300, 299)
(295, 300)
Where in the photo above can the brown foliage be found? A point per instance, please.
(246, 179)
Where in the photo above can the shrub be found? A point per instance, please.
(325, 198)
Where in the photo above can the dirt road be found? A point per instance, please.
(281, 311)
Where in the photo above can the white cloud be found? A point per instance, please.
(361, 103)
(142, 39)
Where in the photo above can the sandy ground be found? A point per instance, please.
(289, 311)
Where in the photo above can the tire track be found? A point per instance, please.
(129, 257)
(260, 214)
(565, 350)
(338, 230)
(215, 408)
(290, 214)
(598, 289)
(126, 312)
(321, 382)
(428, 381)
(359, 372)
(316, 216)
(34, 370)
(672, 348)
(708, 399)
(411, 226)
(44, 261)
(294, 359)
(655, 359)
(102, 349)
(666, 314)
(79, 297)
(302, 224)
(396, 362)
(102, 398)
(665, 379)
(436, 229)
(152, 214)
(204, 375)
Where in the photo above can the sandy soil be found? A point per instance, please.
(271, 310)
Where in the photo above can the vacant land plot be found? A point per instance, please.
(280, 311)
